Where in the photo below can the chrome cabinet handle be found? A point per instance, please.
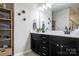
(44, 37)
(43, 42)
(61, 46)
(44, 47)
(44, 54)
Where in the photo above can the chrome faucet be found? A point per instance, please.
(67, 30)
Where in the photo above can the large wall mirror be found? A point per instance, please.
(59, 16)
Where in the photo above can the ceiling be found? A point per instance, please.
(74, 7)
(59, 6)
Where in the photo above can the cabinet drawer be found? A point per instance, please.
(35, 36)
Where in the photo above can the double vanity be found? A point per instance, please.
(56, 31)
(54, 44)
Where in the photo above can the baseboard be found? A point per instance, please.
(22, 53)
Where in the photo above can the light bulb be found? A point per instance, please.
(44, 6)
(40, 8)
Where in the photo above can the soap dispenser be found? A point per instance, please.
(34, 25)
(43, 27)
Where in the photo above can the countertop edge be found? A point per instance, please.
(64, 35)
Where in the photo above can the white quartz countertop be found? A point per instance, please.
(58, 34)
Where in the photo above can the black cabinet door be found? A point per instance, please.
(63, 46)
(53, 49)
(35, 43)
(72, 46)
(56, 45)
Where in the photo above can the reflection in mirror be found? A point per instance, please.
(59, 16)
(74, 18)
(45, 16)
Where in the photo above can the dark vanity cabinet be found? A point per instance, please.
(40, 44)
(35, 43)
(50, 45)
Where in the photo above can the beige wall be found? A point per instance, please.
(74, 15)
(74, 18)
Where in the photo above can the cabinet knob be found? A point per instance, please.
(57, 44)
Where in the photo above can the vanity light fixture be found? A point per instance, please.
(48, 5)
(45, 6)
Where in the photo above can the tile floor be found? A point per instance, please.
(31, 53)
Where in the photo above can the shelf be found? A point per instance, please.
(5, 29)
(5, 10)
(6, 23)
(5, 19)
(5, 39)
(7, 52)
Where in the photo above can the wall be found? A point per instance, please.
(62, 19)
(74, 18)
(74, 15)
(22, 28)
